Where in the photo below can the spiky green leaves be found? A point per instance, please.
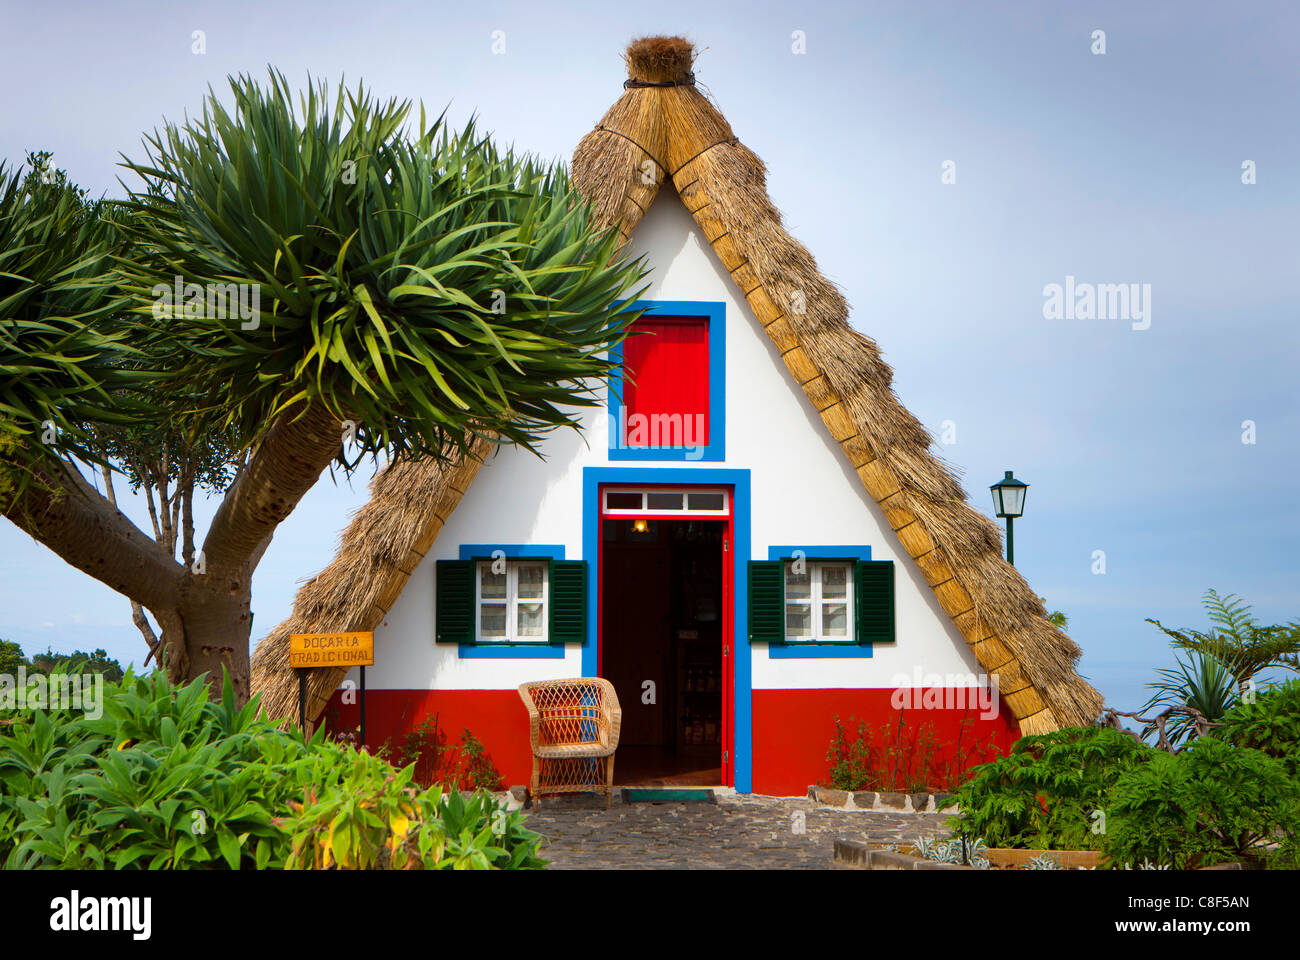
(428, 288)
(60, 351)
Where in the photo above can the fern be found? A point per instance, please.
(1047, 791)
(1237, 640)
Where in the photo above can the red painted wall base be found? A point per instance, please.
(792, 729)
(496, 717)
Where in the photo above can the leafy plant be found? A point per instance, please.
(1204, 684)
(11, 657)
(910, 759)
(1044, 861)
(1210, 803)
(78, 662)
(1238, 641)
(1051, 791)
(1056, 618)
(480, 772)
(425, 748)
(60, 355)
(159, 781)
(954, 850)
(167, 778)
(1270, 724)
(468, 766)
(421, 291)
(372, 819)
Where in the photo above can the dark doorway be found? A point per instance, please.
(662, 622)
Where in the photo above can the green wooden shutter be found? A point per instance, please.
(568, 615)
(767, 601)
(454, 610)
(874, 587)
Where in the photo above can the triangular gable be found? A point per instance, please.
(663, 128)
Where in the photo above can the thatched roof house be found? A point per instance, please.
(662, 123)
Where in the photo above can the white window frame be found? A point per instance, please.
(816, 604)
(512, 600)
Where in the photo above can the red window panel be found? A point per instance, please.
(666, 389)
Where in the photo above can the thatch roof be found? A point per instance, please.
(663, 119)
(378, 551)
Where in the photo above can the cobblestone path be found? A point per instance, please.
(739, 832)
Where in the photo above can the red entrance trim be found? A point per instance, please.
(727, 744)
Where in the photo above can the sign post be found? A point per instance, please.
(309, 651)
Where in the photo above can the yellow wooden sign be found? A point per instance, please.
(332, 649)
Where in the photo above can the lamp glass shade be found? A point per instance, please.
(1009, 496)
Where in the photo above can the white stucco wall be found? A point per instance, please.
(803, 492)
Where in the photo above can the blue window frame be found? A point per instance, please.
(715, 313)
(803, 649)
(510, 651)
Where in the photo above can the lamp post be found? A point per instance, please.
(1009, 502)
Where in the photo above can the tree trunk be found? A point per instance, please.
(210, 631)
(202, 607)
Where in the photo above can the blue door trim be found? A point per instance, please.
(741, 656)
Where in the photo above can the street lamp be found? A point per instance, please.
(1009, 502)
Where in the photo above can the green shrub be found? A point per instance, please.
(166, 778)
(373, 819)
(436, 761)
(1050, 791)
(1210, 803)
(1271, 725)
(1202, 682)
(909, 759)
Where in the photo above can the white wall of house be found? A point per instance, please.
(803, 492)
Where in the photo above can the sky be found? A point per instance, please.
(945, 163)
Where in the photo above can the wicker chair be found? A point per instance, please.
(573, 726)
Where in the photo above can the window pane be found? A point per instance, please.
(835, 620)
(666, 392)
(834, 582)
(706, 501)
(492, 586)
(492, 620)
(797, 585)
(530, 621)
(530, 581)
(623, 501)
(663, 501)
(798, 620)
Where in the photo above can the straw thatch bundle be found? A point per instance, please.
(662, 129)
(378, 551)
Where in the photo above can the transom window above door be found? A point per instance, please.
(687, 501)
